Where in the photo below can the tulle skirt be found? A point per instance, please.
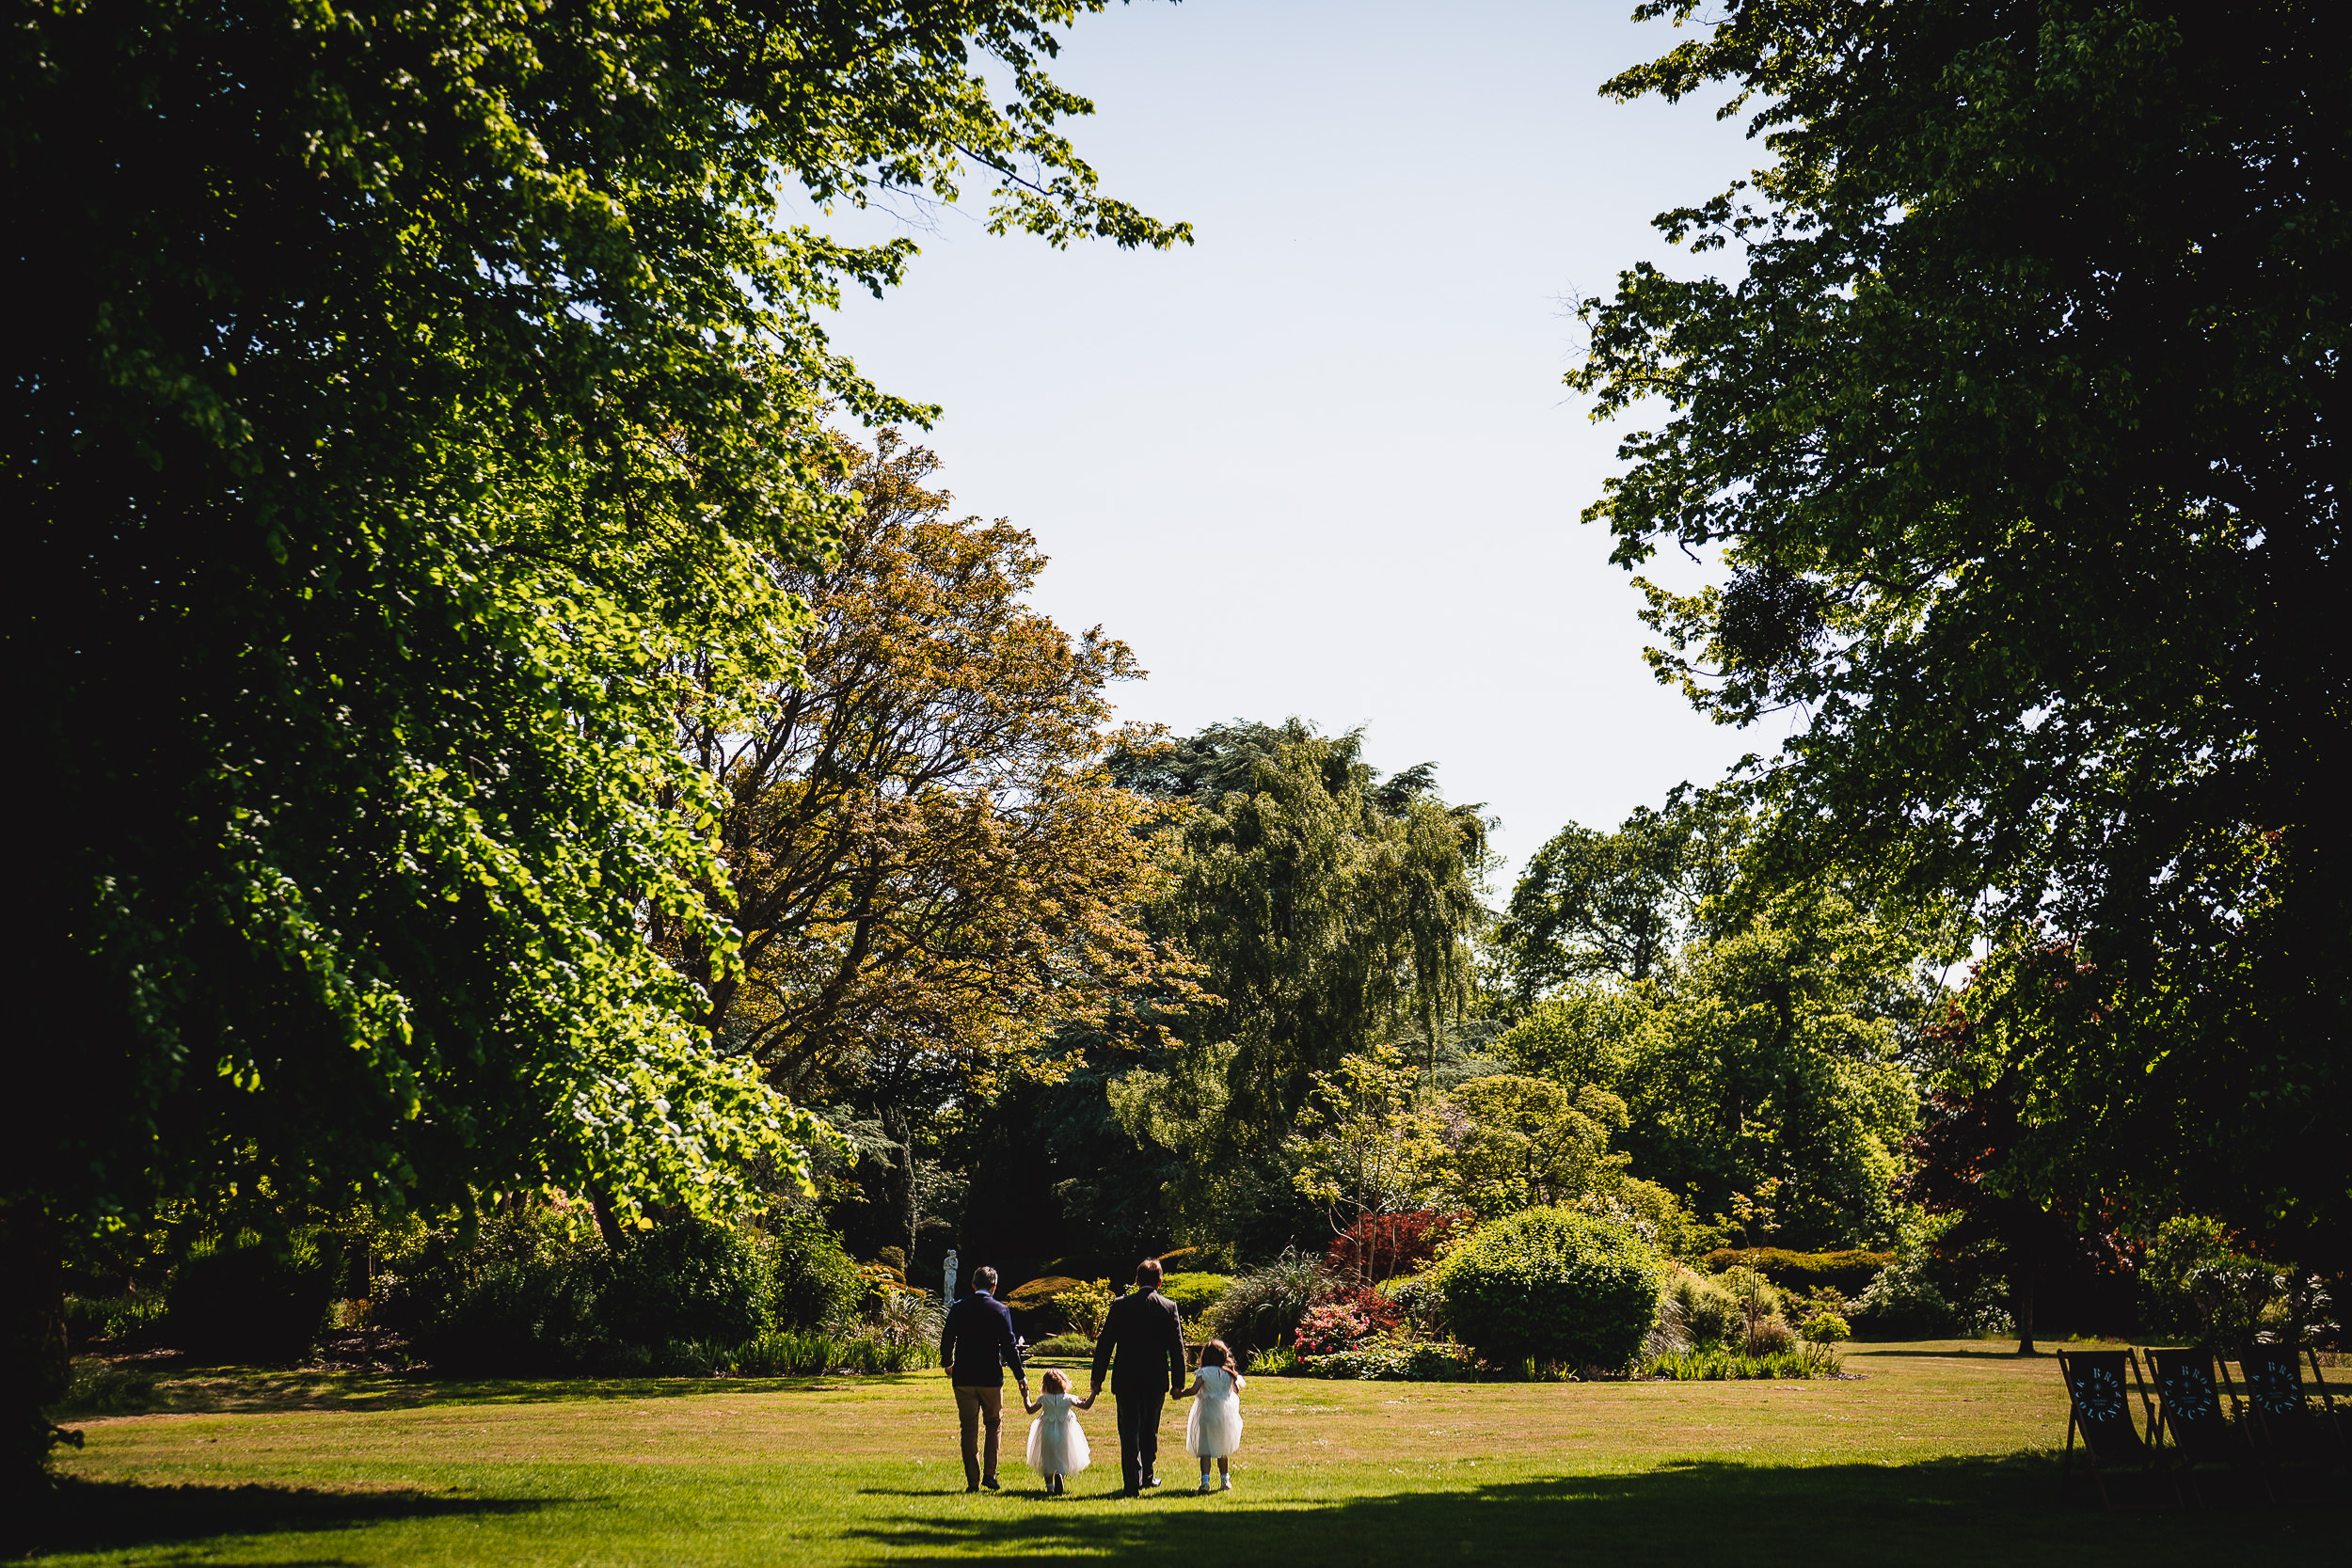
(1057, 1446)
(1212, 1430)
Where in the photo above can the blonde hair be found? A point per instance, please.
(1216, 1354)
(1055, 1381)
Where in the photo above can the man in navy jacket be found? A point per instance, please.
(976, 1346)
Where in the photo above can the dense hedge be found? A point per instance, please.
(818, 1283)
(245, 1299)
(688, 1280)
(538, 1295)
(1849, 1273)
(1552, 1285)
(1195, 1295)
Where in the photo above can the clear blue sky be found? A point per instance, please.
(1322, 463)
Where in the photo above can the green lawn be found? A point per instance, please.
(1936, 1454)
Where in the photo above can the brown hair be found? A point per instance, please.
(1147, 1274)
(1055, 1381)
(1216, 1354)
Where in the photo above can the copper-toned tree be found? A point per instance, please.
(930, 868)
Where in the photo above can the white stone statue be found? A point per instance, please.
(949, 1267)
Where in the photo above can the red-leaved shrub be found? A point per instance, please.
(1381, 1246)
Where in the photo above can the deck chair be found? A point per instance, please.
(2189, 1416)
(2099, 1406)
(2284, 1423)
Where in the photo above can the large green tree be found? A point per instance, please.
(1592, 904)
(2014, 426)
(396, 396)
(1776, 1051)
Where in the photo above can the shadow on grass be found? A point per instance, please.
(1972, 1511)
(242, 1390)
(106, 1516)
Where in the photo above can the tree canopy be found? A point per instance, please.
(410, 393)
(2013, 429)
(1593, 903)
(930, 868)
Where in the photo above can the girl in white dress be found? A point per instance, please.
(1057, 1444)
(1213, 1431)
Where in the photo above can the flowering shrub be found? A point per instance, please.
(1385, 1317)
(1331, 1327)
(1426, 1363)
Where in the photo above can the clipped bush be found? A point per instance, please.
(1064, 1345)
(817, 1284)
(1800, 1273)
(1552, 1285)
(1195, 1294)
(102, 1388)
(1261, 1307)
(688, 1280)
(244, 1298)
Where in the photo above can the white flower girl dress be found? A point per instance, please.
(1213, 1431)
(1058, 1444)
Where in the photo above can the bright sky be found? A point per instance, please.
(1322, 462)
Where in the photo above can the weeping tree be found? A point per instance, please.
(1329, 910)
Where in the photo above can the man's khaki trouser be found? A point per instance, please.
(975, 1408)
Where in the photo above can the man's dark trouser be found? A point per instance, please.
(1138, 1434)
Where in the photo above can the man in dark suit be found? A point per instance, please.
(976, 1346)
(1145, 1335)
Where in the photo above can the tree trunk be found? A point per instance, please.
(2021, 1293)
(902, 1175)
(608, 1223)
(34, 1366)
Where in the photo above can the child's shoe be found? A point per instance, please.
(1205, 1486)
(1228, 1486)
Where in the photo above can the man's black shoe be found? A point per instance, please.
(992, 1485)
(971, 1486)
